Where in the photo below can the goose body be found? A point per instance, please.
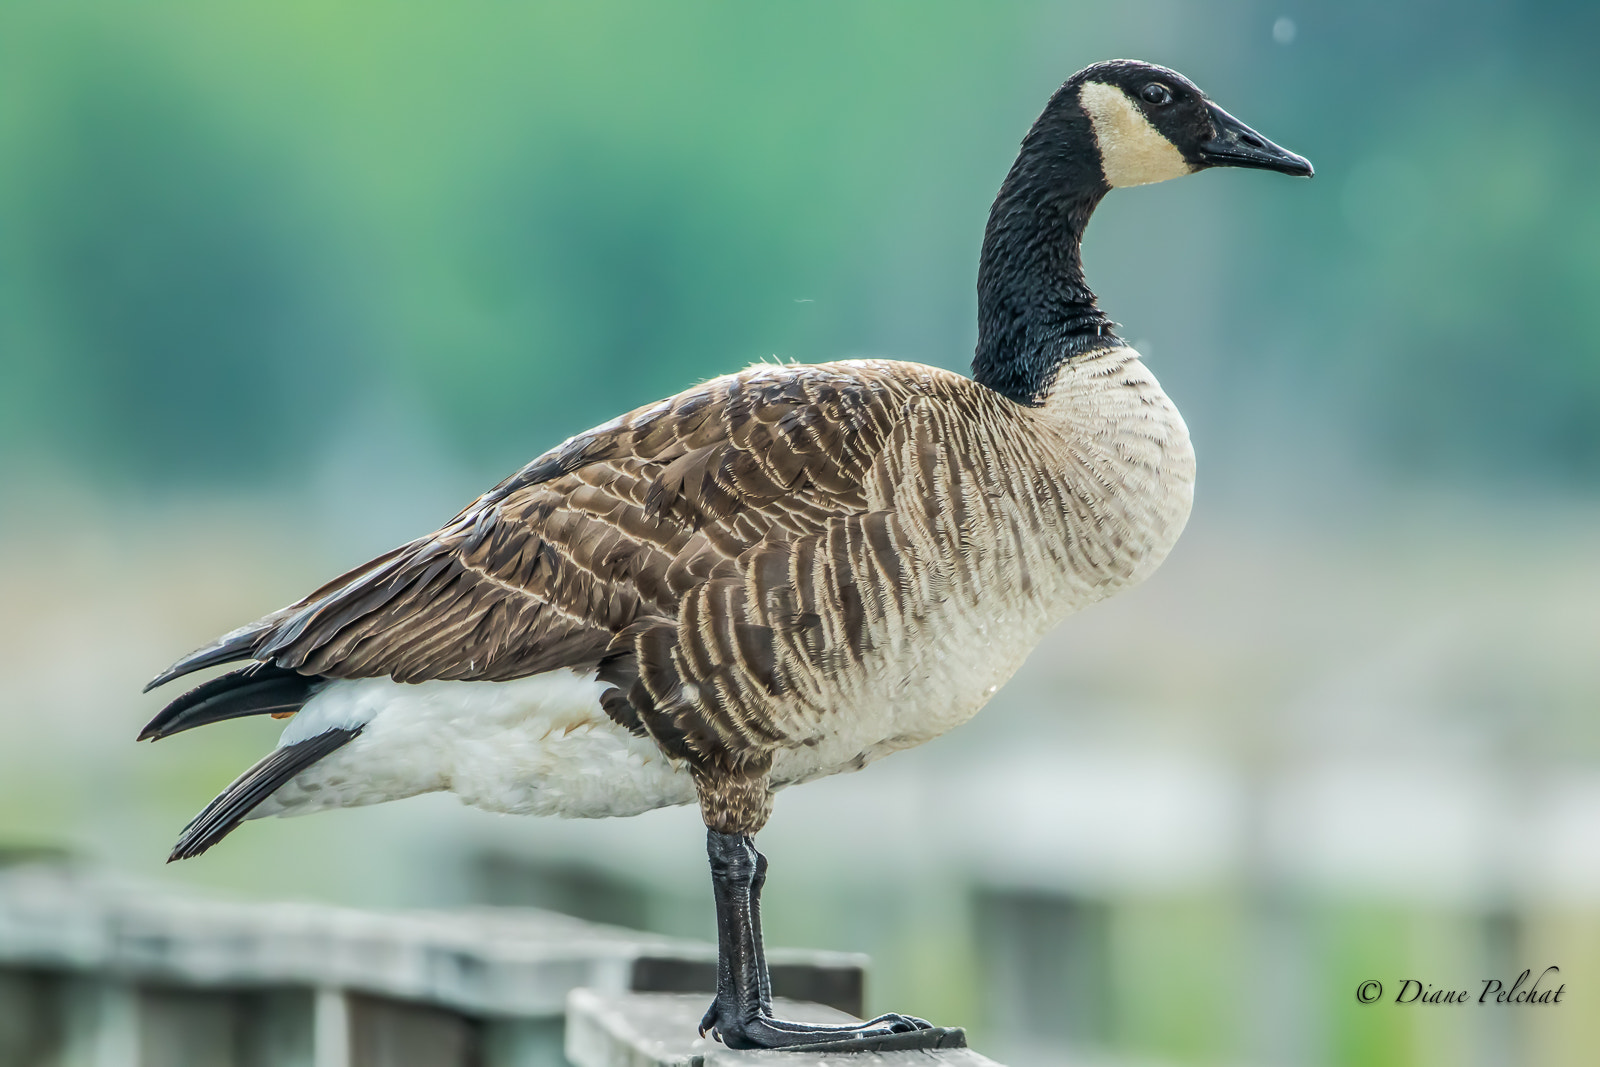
(781, 574)
(1086, 495)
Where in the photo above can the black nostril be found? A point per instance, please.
(1252, 140)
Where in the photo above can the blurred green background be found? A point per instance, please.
(284, 284)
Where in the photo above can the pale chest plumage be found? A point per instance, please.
(1084, 502)
(1040, 512)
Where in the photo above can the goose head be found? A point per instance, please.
(1150, 124)
(1110, 125)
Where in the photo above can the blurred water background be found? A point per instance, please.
(282, 285)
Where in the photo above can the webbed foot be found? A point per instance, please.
(885, 1033)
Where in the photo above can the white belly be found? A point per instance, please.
(535, 746)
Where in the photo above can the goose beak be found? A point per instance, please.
(1237, 145)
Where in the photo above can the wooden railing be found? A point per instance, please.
(98, 971)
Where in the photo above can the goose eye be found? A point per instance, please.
(1156, 93)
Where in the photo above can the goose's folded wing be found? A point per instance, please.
(615, 524)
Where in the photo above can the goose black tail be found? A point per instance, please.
(259, 690)
(251, 788)
(229, 648)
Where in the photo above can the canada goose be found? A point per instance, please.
(781, 574)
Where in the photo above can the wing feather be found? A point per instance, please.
(553, 566)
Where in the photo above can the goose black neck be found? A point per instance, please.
(1035, 310)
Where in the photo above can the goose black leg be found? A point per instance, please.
(741, 1014)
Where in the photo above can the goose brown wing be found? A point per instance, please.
(616, 525)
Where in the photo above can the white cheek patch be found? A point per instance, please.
(1132, 152)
